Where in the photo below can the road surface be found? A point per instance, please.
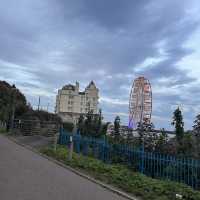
(25, 175)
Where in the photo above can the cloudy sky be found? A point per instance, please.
(47, 44)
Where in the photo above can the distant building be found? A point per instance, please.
(71, 103)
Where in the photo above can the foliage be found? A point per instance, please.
(179, 124)
(40, 115)
(10, 98)
(124, 178)
(117, 128)
(162, 142)
(104, 128)
(147, 136)
(196, 126)
(2, 130)
(68, 126)
(91, 124)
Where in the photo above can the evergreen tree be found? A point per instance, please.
(145, 133)
(104, 128)
(117, 127)
(80, 124)
(88, 123)
(178, 124)
(196, 126)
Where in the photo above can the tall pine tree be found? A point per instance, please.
(196, 126)
(178, 124)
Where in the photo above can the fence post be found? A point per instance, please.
(55, 141)
(70, 147)
(142, 159)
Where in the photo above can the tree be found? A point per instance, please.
(178, 124)
(68, 126)
(91, 124)
(162, 140)
(146, 136)
(196, 126)
(105, 128)
(11, 99)
(117, 127)
(100, 118)
(80, 125)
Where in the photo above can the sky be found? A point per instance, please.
(50, 43)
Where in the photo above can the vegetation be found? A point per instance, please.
(11, 100)
(2, 131)
(124, 178)
(196, 126)
(13, 103)
(117, 128)
(91, 124)
(68, 126)
(40, 115)
(179, 124)
(185, 144)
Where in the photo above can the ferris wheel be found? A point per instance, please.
(140, 102)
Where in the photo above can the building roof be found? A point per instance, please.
(91, 84)
(69, 87)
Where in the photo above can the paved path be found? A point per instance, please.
(35, 141)
(25, 175)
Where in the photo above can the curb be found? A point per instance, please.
(104, 185)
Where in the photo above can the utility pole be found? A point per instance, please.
(13, 109)
(48, 107)
(39, 103)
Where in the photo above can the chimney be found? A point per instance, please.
(77, 86)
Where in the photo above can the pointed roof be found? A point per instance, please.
(91, 84)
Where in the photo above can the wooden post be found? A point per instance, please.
(70, 148)
(55, 141)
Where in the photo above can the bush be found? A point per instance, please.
(124, 178)
(68, 126)
(2, 130)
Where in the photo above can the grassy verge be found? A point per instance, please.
(124, 178)
(3, 131)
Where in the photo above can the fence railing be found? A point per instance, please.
(155, 165)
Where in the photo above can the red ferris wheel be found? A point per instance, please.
(140, 102)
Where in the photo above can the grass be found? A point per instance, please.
(3, 131)
(126, 179)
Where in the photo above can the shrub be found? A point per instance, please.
(124, 178)
(68, 126)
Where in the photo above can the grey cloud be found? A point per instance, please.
(64, 41)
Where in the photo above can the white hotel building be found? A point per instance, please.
(71, 103)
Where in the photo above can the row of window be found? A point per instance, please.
(81, 110)
(71, 103)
